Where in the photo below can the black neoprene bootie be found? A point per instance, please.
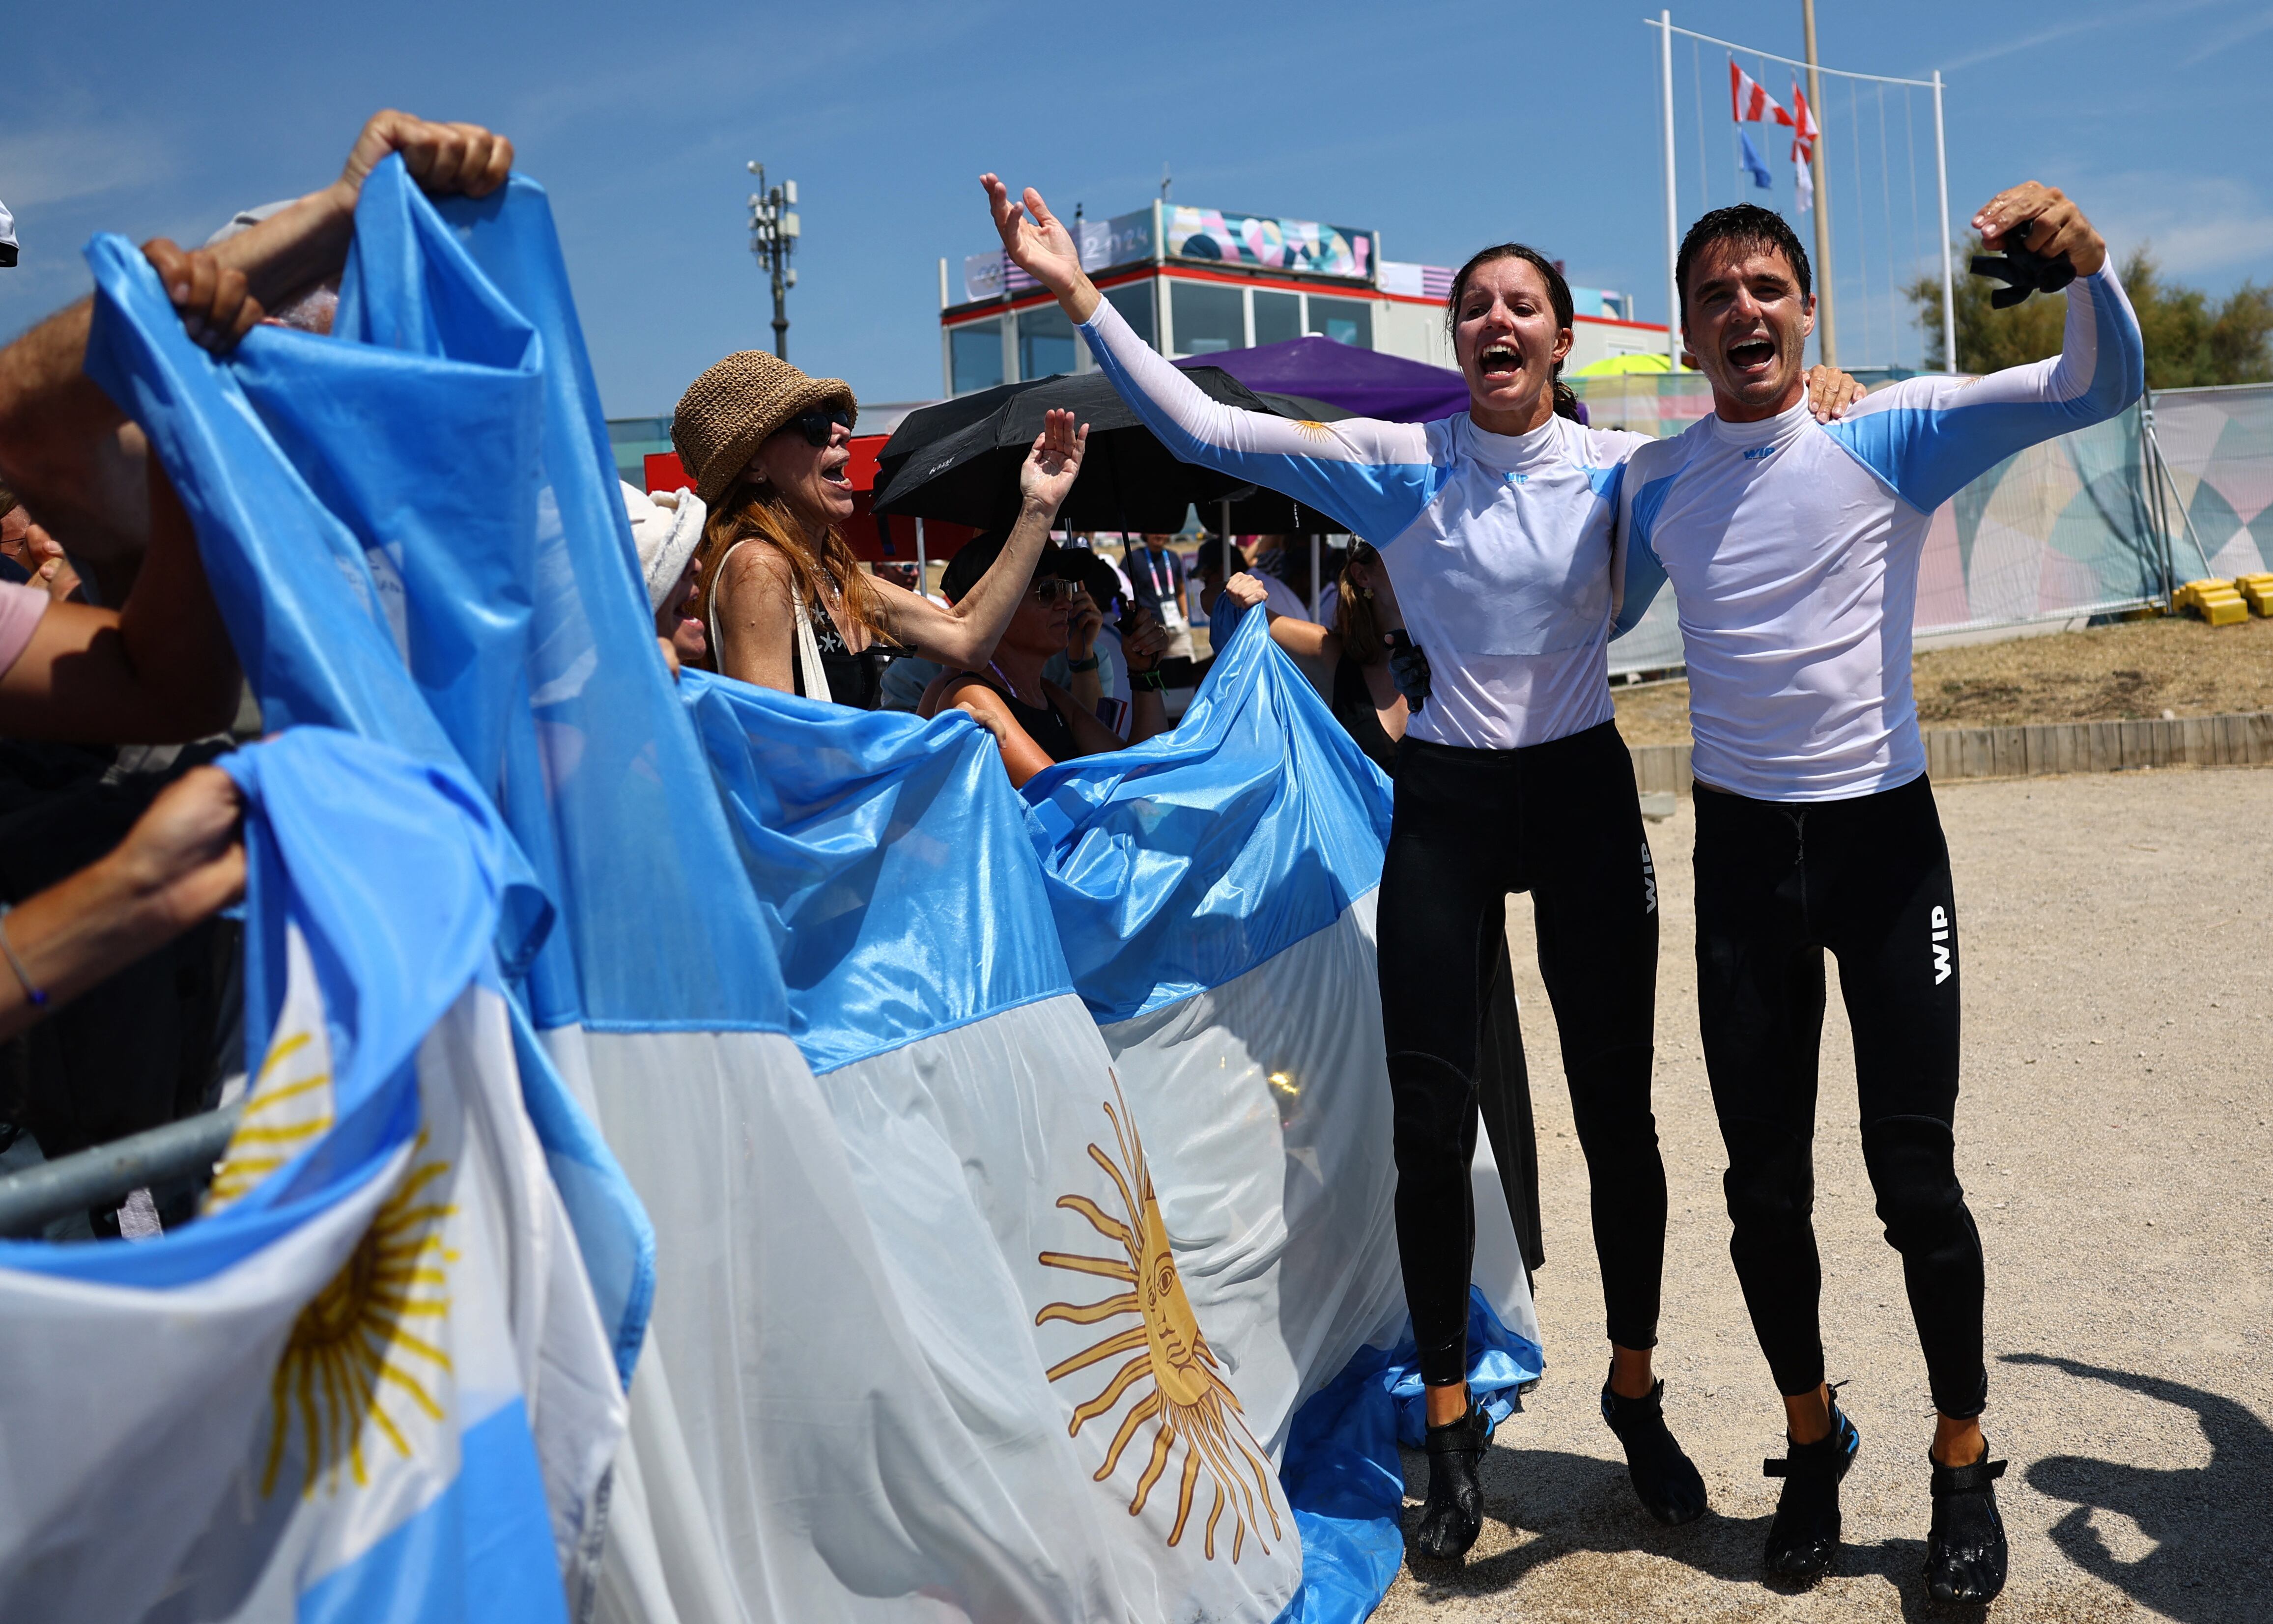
(1453, 1514)
(1670, 1487)
(1804, 1537)
(1965, 1547)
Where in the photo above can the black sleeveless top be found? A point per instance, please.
(854, 679)
(1354, 708)
(1045, 726)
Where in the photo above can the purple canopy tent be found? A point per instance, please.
(1362, 381)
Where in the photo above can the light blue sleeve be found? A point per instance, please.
(1928, 437)
(1636, 575)
(1372, 476)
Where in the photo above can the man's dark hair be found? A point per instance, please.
(1747, 225)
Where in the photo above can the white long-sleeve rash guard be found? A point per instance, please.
(1498, 546)
(1793, 548)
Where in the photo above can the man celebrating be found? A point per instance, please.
(1793, 548)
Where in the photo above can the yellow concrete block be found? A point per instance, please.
(2221, 609)
(2256, 591)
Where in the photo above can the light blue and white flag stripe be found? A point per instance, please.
(315, 1401)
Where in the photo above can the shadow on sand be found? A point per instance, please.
(1576, 1503)
(2212, 1561)
(2213, 1555)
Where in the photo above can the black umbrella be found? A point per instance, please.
(959, 460)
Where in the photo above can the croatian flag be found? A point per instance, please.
(321, 1400)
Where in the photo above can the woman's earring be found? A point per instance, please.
(1366, 592)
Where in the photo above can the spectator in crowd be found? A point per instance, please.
(66, 449)
(28, 554)
(1101, 687)
(1347, 663)
(1035, 721)
(667, 529)
(122, 930)
(1156, 581)
(795, 612)
(182, 863)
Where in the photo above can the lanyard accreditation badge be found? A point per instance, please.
(1167, 596)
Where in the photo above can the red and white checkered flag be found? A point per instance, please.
(1748, 101)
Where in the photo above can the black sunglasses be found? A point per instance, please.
(816, 425)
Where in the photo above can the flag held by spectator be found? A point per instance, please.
(323, 1398)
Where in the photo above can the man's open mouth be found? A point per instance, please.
(1752, 354)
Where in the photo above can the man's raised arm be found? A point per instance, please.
(1929, 437)
(66, 448)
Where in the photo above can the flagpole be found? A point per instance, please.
(1948, 285)
(1672, 212)
(1826, 328)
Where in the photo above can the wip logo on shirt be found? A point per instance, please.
(1758, 452)
(1940, 925)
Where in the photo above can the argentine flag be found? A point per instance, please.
(1214, 890)
(316, 1402)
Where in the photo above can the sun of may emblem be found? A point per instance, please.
(351, 1349)
(1183, 1398)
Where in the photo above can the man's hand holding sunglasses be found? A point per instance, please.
(1045, 478)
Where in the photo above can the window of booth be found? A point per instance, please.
(1345, 321)
(1278, 315)
(1134, 301)
(975, 355)
(1045, 341)
(1209, 316)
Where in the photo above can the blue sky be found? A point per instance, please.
(1443, 126)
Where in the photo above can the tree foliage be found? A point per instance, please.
(2188, 339)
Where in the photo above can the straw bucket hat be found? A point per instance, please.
(727, 412)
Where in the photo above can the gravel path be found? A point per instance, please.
(2114, 1142)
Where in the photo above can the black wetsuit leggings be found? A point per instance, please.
(1560, 821)
(1869, 878)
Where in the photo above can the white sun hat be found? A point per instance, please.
(667, 527)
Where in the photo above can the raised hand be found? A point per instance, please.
(1036, 240)
(1244, 590)
(1046, 477)
(1830, 392)
(2060, 227)
(216, 308)
(441, 158)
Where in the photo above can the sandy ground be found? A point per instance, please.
(2114, 1142)
(2142, 670)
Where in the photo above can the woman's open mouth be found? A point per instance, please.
(836, 476)
(1499, 360)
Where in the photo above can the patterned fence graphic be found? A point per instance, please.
(2067, 528)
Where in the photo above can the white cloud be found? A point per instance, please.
(2162, 11)
(62, 165)
(2197, 225)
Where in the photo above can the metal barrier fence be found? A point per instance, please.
(2093, 522)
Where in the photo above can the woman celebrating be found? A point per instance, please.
(1496, 525)
(794, 612)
